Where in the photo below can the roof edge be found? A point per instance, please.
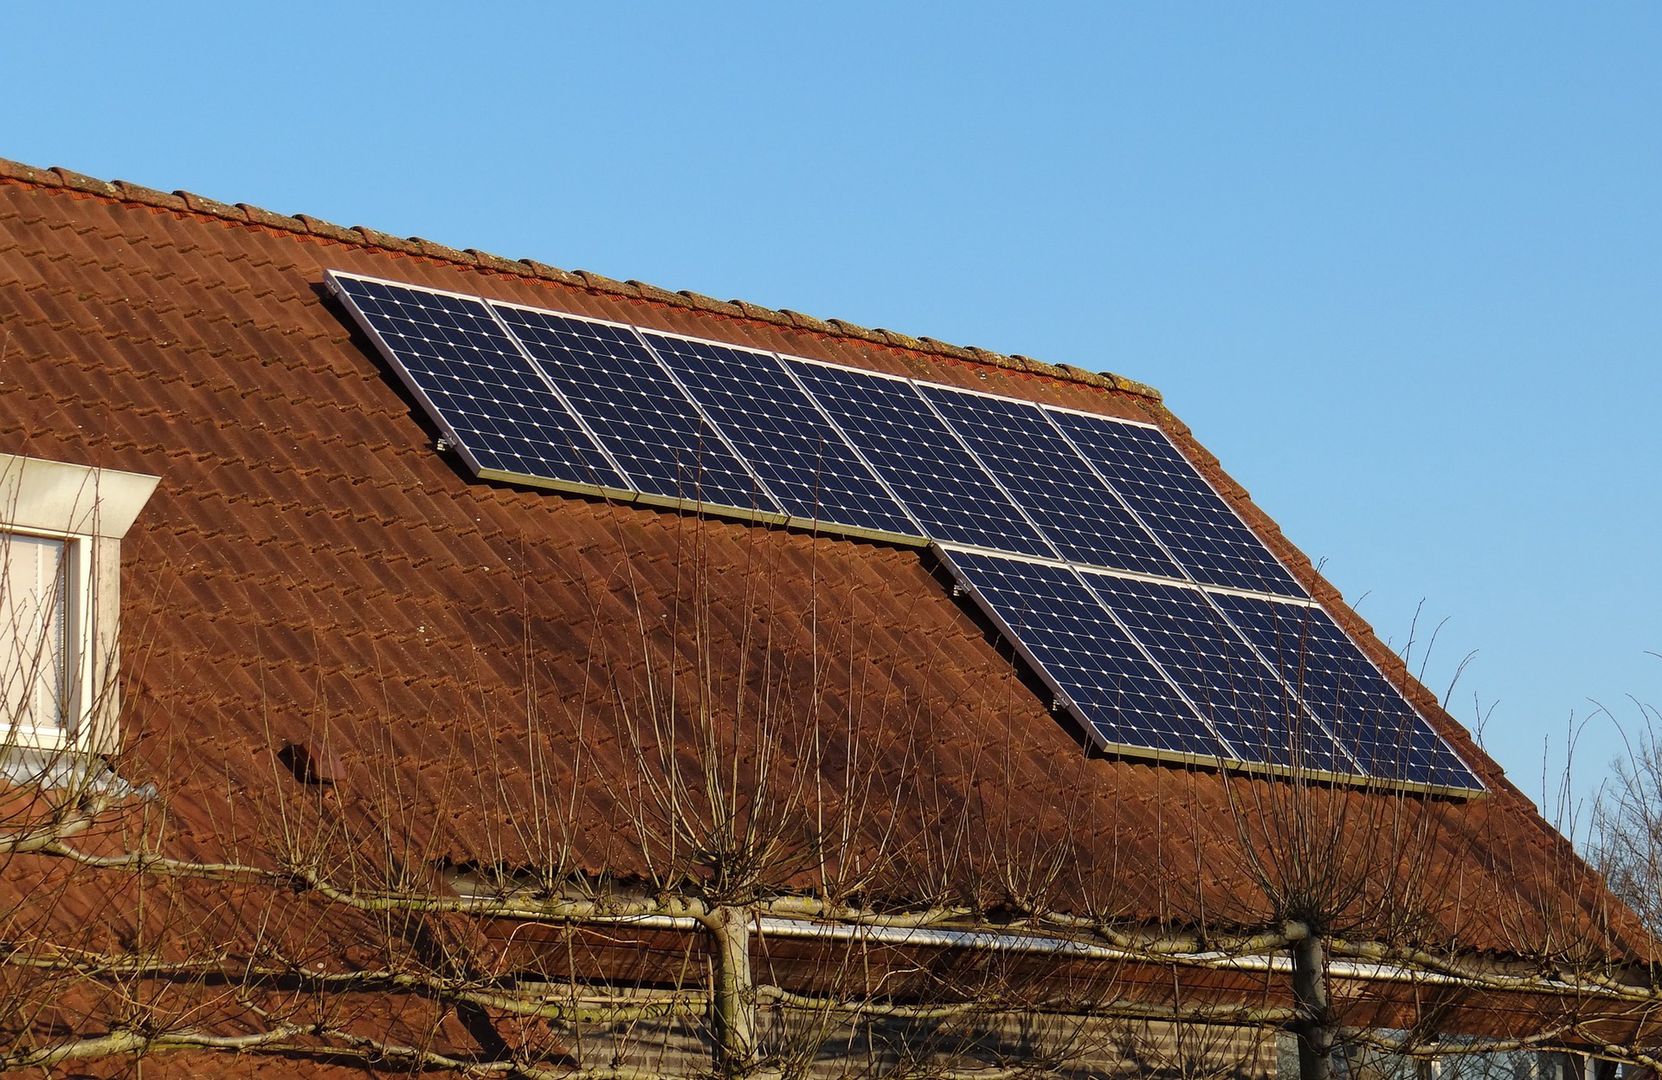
(359, 236)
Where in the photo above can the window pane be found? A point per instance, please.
(33, 632)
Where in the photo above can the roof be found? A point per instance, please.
(361, 236)
(312, 573)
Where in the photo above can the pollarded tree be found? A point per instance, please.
(682, 846)
(1626, 843)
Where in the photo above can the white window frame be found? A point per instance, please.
(77, 690)
(90, 510)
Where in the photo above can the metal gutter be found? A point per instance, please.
(1045, 945)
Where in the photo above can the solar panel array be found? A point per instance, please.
(1130, 586)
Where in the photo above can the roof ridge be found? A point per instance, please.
(360, 236)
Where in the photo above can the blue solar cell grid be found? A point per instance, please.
(1177, 504)
(1338, 682)
(636, 410)
(1233, 689)
(1167, 667)
(477, 384)
(801, 457)
(1048, 479)
(917, 455)
(1074, 642)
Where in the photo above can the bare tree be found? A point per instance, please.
(1627, 826)
(682, 847)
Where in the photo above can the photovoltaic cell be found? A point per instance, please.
(1233, 689)
(477, 384)
(917, 455)
(630, 402)
(1017, 443)
(1353, 699)
(803, 459)
(1177, 503)
(1165, 667)
(1048, 612)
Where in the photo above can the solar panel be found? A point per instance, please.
(1062, 507)
(774, 424)
(636, 410)
(1074, 644)
(477, 385)
(1233, 689)
(1044, 474)
(920, 459)
(1343, 687)
(1177, 504)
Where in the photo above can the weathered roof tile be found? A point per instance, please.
(487, 261)
(150, 196)
(434, 250)
(330, 231)
(203, 205)
(259, 216)
(81, 182)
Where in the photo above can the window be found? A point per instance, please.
(34, 616)
(60, 567)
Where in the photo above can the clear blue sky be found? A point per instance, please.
(1399, 266)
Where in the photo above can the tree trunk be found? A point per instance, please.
(733, 1003)
(1314, 1025)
